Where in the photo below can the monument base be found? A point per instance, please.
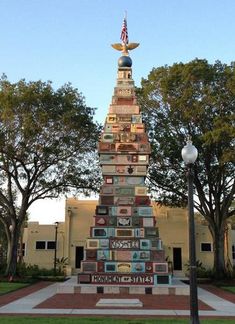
(71, 286)
(126, 279)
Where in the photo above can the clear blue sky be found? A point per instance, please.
(69, 40)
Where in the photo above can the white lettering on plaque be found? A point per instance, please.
(124, 244)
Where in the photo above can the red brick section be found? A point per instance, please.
(14, 295)
(89, 300)
(86, 301)
(220, 292)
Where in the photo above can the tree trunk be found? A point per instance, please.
(12, 254)
(219, 258)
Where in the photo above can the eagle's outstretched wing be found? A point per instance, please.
(132, 46)
(125, 47)
(117, 46)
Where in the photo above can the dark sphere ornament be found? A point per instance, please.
(125, 61)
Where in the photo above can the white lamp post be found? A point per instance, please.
(189, 154)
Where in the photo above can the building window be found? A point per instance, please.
(233, 252)
(51, 245)
(206, 247)
(40, 245)
(21, 250)
(45, 245)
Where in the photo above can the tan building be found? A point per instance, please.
(39, 240)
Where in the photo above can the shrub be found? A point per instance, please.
(61, 266)
(33, 271)
(2, 268)
(202, 272)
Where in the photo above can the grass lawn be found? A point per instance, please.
(229, 288)
(104, 320)
(6, 287)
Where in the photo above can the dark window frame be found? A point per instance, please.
(43, 245)
(50, 245)
(233, 251)
(37, 247)
(23, 249)
(206, 247)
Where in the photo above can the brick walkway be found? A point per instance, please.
(85, 301)
(220, 292)
(41, 303)
(14, 295)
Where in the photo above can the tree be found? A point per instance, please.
(47, 148)
(3, 246)
(195, 99)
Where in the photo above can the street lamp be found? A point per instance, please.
(55, 250)
(189, 154)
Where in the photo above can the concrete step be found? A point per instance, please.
(119, 303)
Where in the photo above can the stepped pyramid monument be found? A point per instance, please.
(124, 247)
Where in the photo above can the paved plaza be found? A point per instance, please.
(42, 298)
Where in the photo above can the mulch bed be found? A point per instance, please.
(220, 292)
(88, 301)
(22, 292)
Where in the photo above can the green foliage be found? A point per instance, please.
(34, 272)
(2, 268)
(47, 136)
(196, 99)
(47, 149)
(201, 271)
(61, 264)
(230, 289)
(6, 287)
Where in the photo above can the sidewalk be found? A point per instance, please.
(43, 299)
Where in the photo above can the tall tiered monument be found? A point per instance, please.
(124, 247)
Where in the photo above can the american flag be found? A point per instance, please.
(124, 32)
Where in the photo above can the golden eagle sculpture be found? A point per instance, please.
(125, 46)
